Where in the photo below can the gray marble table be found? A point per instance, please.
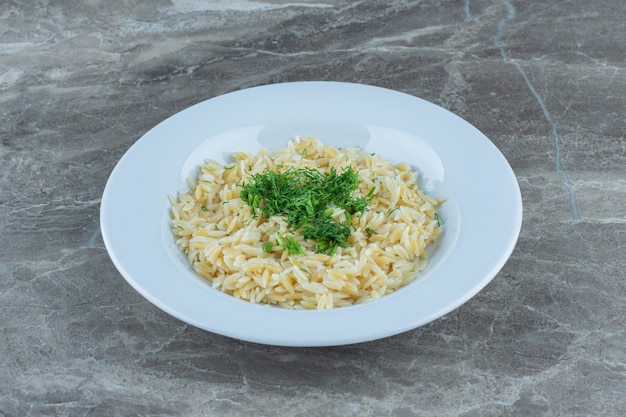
(81, 81)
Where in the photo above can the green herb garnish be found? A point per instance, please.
(438, 219)
(267, 246)
(390, 211)
(306, 197)
(289, 244)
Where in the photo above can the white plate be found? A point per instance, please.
(482, 213)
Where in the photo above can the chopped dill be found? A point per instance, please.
(390, 211)
(438, 219)
(267, 246)
(289, 244)
(203, 208)
(306, 197)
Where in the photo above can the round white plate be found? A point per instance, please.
(482, 213)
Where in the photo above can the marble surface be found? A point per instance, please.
(81, 81)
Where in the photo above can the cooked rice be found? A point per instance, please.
(223, 240)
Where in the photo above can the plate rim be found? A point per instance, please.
(274, 336)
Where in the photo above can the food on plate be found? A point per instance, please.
(309, 226)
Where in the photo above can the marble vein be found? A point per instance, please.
(187, 6)
(466, 10)
(555, 137)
